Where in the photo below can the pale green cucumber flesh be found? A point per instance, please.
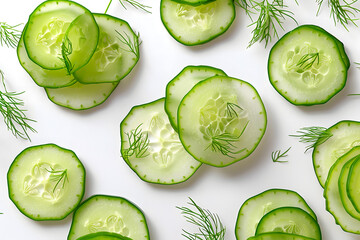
(102, 213)
(46, 182)
(353, 181)
(291, 220)
(278, 236)
(162, 159)
(103, 236)
(43, 77)
(315, 80)
(81, 96)
(113, 59)
(343, 179)
(47, 27)
(257, 206)
(177, 88)
(194, 2)
(217, 111)
(193, 25)
(345, 136)
(334, 205)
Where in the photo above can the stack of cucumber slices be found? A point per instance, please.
(194, 22)
(277, 214)
(308, 66)
(77, 56)
(206, 117)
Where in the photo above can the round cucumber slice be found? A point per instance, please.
(194, 25)
(43, 77)
(289, 220)
(344, 136)
(278, 236)
(103, 236)
(221, 120)
(343, 179)
(46, 30)
(306, 66)
(46, 182)
(353, 181)
(334, 205)
(177, 88)
(81, 96)
(152, 148)
(256, 207)
(102, 213)
(116, 55)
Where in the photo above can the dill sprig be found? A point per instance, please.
(138, 143)
(342, 12)
(308, 60)
(133, 3)
(12, 112)
(313, 136)
(133, 44)
(9, 35)
(209, 224)
(58, 177)
(224, 142)
(231, 109)
(66, 50)
(276, 155)
(270, 16)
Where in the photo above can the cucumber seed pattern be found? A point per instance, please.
(107, 52)
(197, 17)
(46, 181)
(113, 223)
(291, 227)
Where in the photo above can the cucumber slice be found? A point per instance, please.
(177, 88)
(278, 236)
(332, 195)
(221, 120)
(81, 96)
(353, 181)
(113, 58)
(47, 26)
(256, 207)
(102, 213)
(289, 220)
(46, 182)
(194, 25)
(343, 178)
(344, 136)
(152, 148)
(103, 236)
(194, 2)
(43, 77)
(309, 69)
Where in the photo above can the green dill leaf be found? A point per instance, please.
(231, 109)
(313, 136)
(308, 60)
(209, 224)
(11, 108)
(138, 143)
(9, 35)
(133, 3)
(132, 44)
(276, 155)
(66, 50)
(58, 176)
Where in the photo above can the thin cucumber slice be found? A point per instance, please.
(353, 182)
(43, 77)
(177, 88)
(46, 182)
(221, 120)
(103, 236)
(45, 33)
(343, 179)
(344, 136)
(256, 207)
(194, 25)
(332, 195)
(81, 96)
(278, 236)
(194, 2)
(291, 220)
(152, 148)
(102, 213)
(116, 54)
(306, 66)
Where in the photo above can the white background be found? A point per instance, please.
(94, 134)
